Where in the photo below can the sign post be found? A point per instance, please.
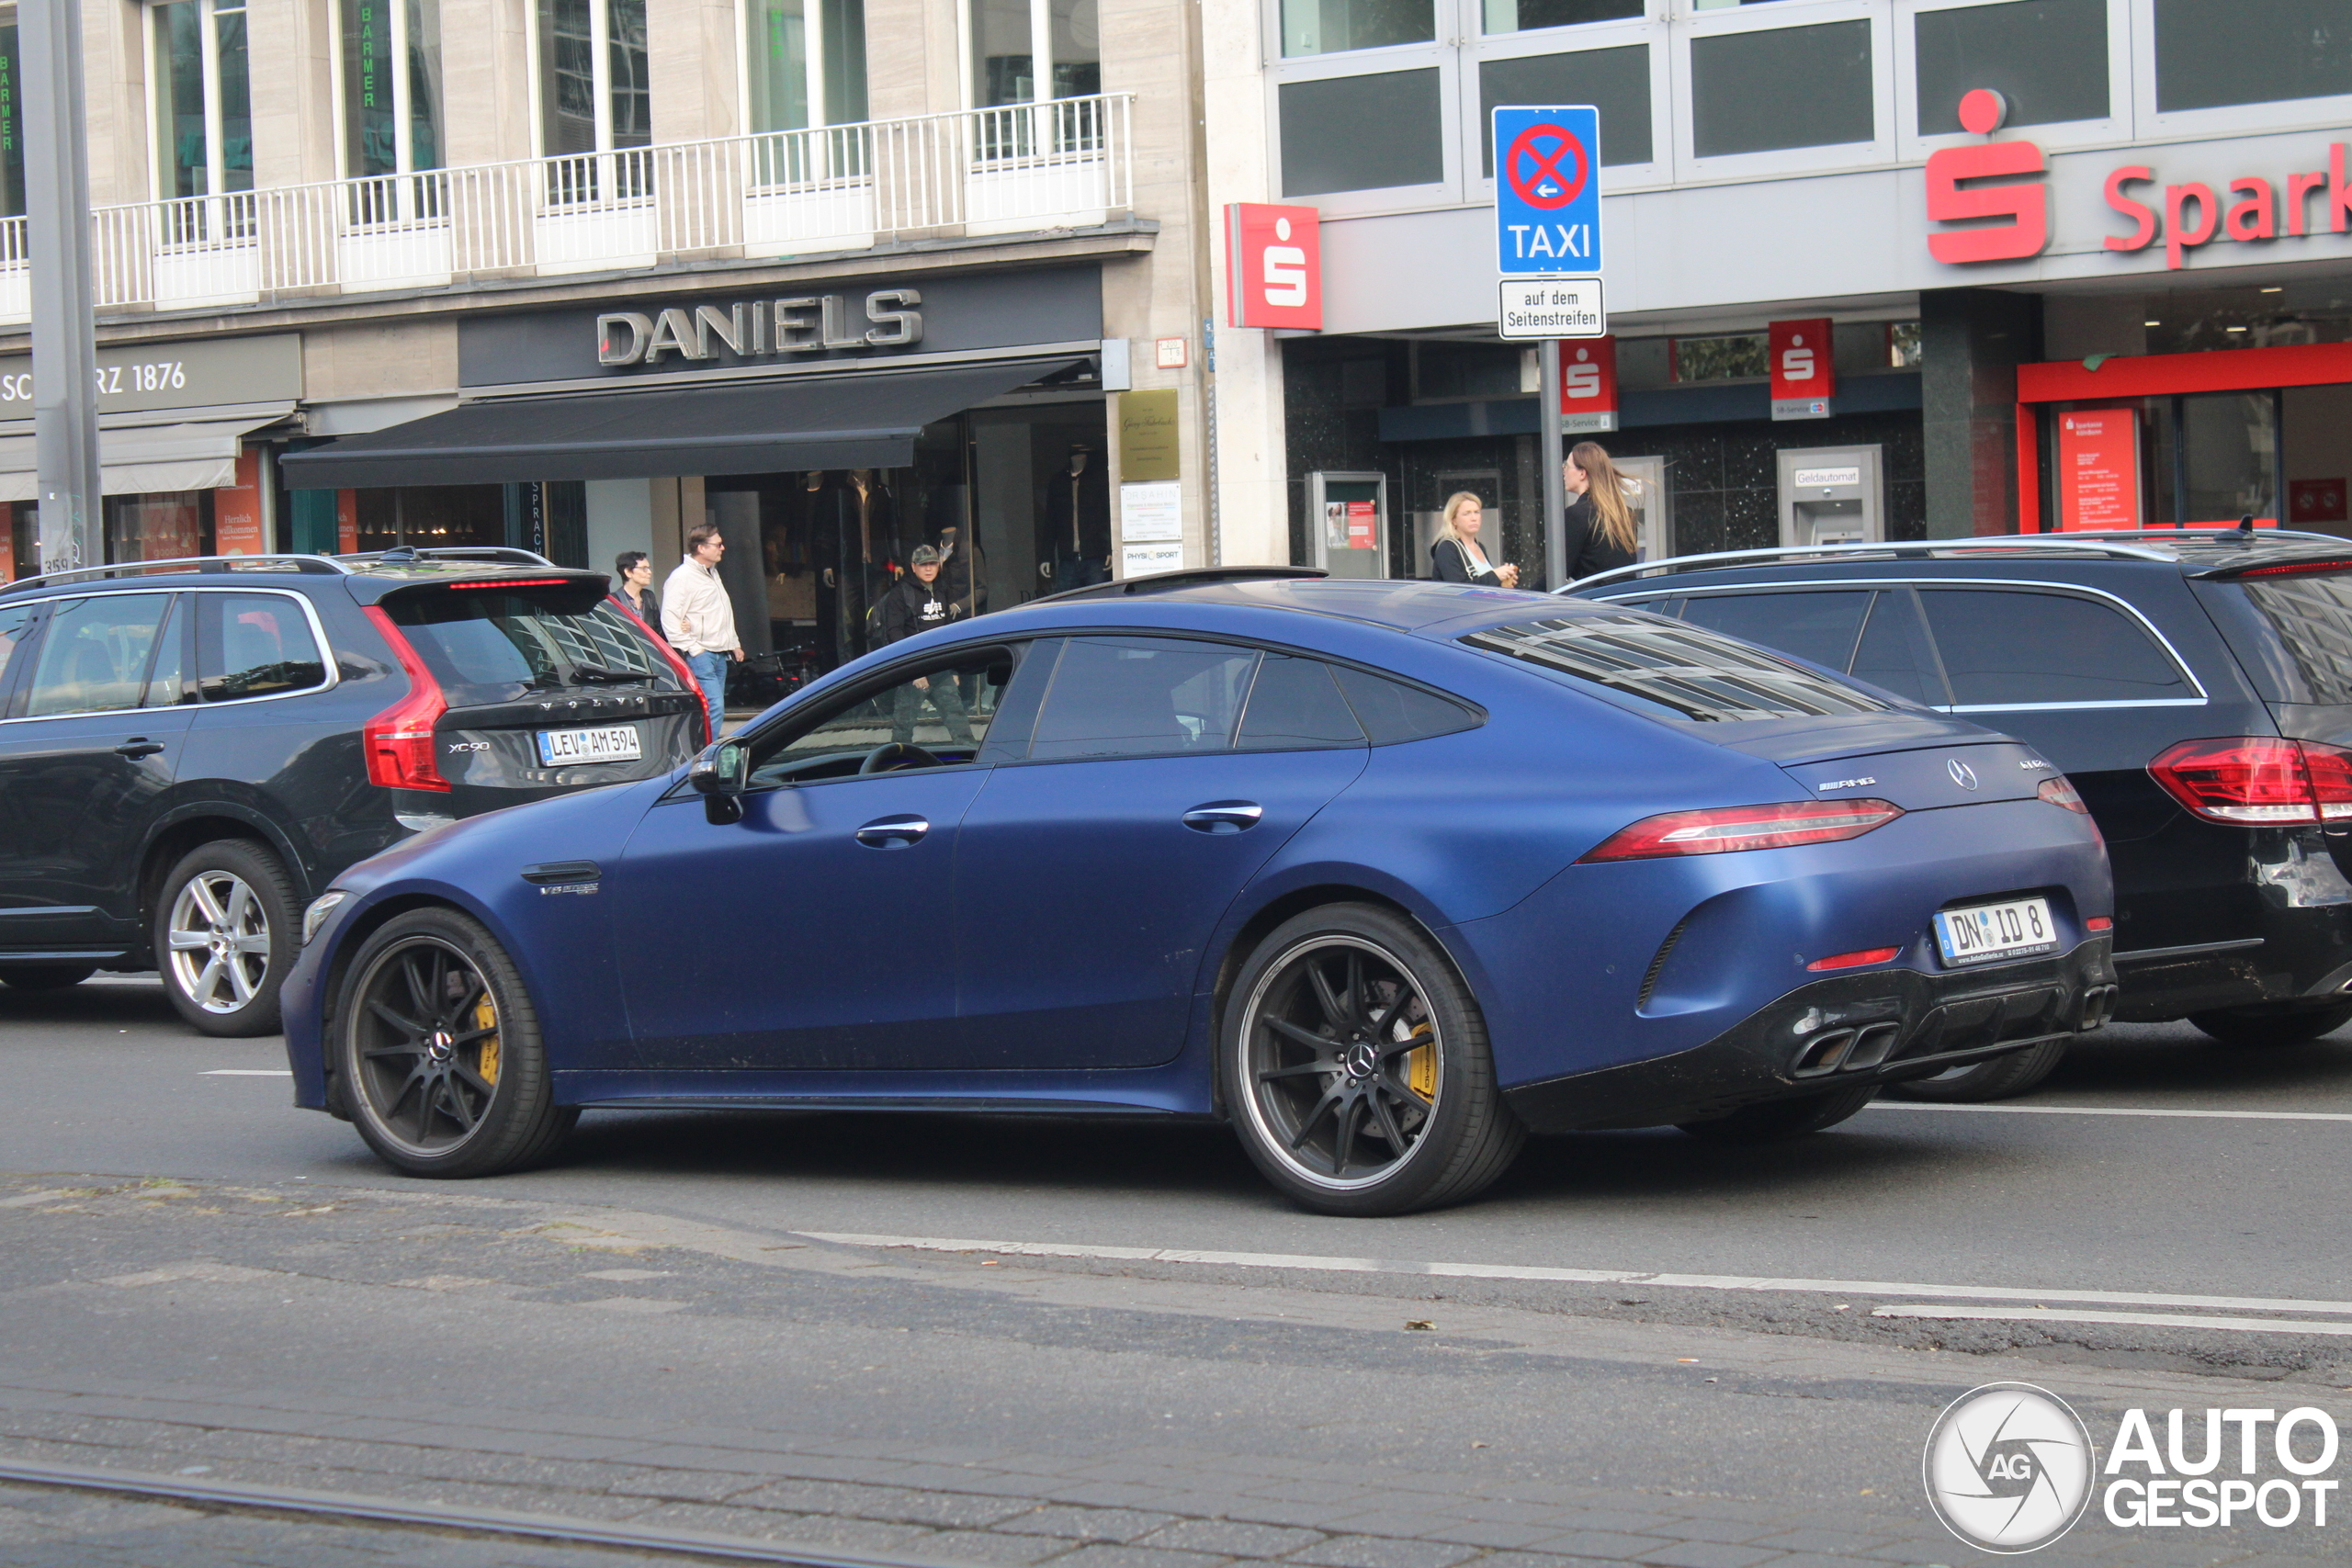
(57, 220)
(1548, 250)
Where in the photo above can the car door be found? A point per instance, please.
(1161, 774)
(816, 933)
(98, 722)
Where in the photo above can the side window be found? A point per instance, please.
(167, 683)
(942, 712)
(1391, 711)
(1894, 652)
(1294, 706)
(1137, 696)
(253, 645)
(14, 619)
(93, 656)
(2013, 647)
(1821, 626)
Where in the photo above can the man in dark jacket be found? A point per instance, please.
(916, 603)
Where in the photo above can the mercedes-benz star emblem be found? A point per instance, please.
(1962, 773)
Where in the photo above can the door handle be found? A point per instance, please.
(1224, 816)
(139, 746)
(893, 833)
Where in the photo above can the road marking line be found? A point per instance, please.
(248, 1073)
(2115, 1110)
(2138, 1319)
(1567, 1276)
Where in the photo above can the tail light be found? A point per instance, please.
(2259, 781)
(1723, 829)
(685, 676)
(1856, 960)
(399, 741)
(2059, 792)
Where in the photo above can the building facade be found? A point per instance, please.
(843, 277)
(2048, 263)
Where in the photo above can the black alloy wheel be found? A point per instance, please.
(1356, 1067)
(2003, 1077)
(439, 1051)
(1777, 1120)
(2272, 1025)
(45, 976)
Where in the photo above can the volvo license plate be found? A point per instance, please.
(2018, 927)
(613, 743)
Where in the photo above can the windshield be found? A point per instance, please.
(1692, 672)
(486, 643)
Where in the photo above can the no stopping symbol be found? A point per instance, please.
(1534, 166)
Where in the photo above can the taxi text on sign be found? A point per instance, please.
(1547, 190)
(1274, 265)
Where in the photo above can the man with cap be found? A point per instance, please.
(916, 603)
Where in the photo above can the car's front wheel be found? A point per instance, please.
(2003, 1077)
(1356, 1067)
(438, 1050)
(2272, 1025)
(226, 925)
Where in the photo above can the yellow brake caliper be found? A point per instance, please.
(486, 1063)
(1421, 1065)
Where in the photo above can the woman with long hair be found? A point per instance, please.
(1457, 554)
(1602, 533)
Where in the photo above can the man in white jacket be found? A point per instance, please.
(699, 620)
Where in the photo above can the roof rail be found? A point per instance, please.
(182, 564)
(1196, 578)
(2074, 543)
(509, 554)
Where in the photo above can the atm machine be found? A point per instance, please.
(1347, 523)
(1832, 495)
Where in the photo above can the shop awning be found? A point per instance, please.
(141, 460)
(746, 427)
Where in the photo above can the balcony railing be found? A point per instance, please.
(1064, 164)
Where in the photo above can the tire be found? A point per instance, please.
(2272, 1026)
(2003, 1077)
(1318, 1073)
(45, 976)
(1777, 1120)
(438, 1051)
(227, 929)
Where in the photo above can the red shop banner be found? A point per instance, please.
(1588, 385)
(236, 512)
(2098, 469)
(1804, 370)
(1274, 265)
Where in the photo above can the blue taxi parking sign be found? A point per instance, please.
(1547, 190)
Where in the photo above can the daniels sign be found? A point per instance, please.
(1998, 191)
(748, 328)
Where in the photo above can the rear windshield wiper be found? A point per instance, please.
(596, 677)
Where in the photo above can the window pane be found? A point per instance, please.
(180, 156)
(159, 525)
(93, 656)
(1142, 696)
(12, 620)
(2229, 447)
(1818, 94)
(236, 100)
(1005, 67)
(1615, 81)
(1076, 49)
(2003, 648)
(12, 125)
(1894, 653)
(252, 645)
(1687, 671)
(1738, 356)
(1362, 133)
(2047, 58)
(776, 54)
(2313, 616)
(2251, 51)
(945, 711)
(1294, 706)
(1818, 626)
(1391, 711)
(1330, 26)
(1520, 15)
(368, 139)
(844, 61)
(632, 100)
(167, 682)
(567, 78)
(424, 106)
(518, 637)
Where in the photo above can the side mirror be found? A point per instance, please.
(720, 776)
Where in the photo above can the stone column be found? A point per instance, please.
(1970, 343)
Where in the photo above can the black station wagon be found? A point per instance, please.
(2195, 685)
(189, 750)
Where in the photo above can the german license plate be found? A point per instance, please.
(2017, 929)
(616, 743)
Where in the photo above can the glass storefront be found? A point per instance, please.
(165, 525)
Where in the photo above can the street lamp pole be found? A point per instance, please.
(65, 355)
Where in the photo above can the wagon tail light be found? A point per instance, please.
(1725, 828)
(2259, 781)
(399, 741)
(685, 676)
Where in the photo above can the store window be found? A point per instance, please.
(1028, 50)
(165, 525)
(1523, 15)
(1819, 91)
(12, 128)
(2251, 51)
(203, 103)
(431, 514)
(1735, 356)
(2046, 58)
(1615, 81)
(593, 90)
(390, 84)
(805, 63)
(1362, 132)
(1332, 26)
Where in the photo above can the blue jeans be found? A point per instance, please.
(710, 674)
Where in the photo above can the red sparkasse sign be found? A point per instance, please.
(1589, 384)
(1274, 265)
(2098, 469)
(1805, 372)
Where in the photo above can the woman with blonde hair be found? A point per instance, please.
(1602, 533)
(1457, 554)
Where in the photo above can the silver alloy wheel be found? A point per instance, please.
(219, 941)
(1343, 1061)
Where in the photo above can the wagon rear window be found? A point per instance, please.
(1693, 673)
(2312, 616)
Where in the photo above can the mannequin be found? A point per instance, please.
(1078, 520)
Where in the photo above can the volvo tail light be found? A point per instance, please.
(399, 741)
(1723, 829)
(2259, 781)
(685, 676)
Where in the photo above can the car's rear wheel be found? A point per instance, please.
(1777, 1121)
(225, 926)
(45, 976)
(2003, 1077)
(439, 1051)
(1356, 1067)
(2272, 1025)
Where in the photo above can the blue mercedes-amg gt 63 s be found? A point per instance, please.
(1385, 874)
